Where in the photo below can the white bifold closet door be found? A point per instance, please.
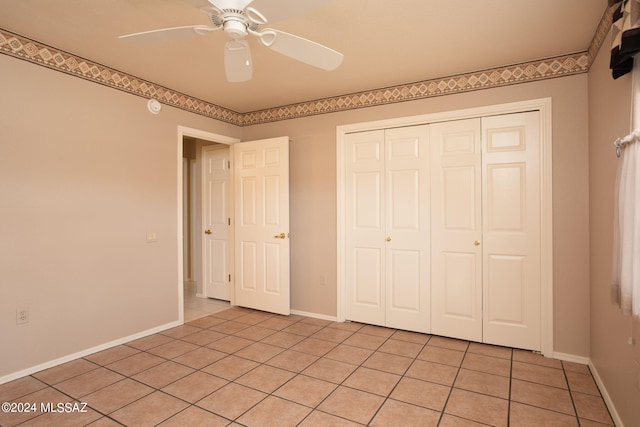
(456, 229)
(387, 221)
(511, 217)
(485, 230)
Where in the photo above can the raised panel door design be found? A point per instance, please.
(480, 201)
(404, 273)
(506, 197)
(248, 201)
(272, 279)
(216, 262)
(404, 200)
(272, 203)
(367, 207)
(459, 188)
(511, 242)
(365, 239)
(456, 229)
(248, 260)
(387, 261)
(506, 304)
(261, 171)
(368, 277)
(407, 256)
(460, 283)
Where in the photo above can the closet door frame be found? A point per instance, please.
(543, 105)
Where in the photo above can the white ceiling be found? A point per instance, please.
(384, 42)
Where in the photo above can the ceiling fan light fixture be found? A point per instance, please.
(235, 29)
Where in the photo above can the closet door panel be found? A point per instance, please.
(407, 228)
(456, 229)
(511, 216)
(365, 267)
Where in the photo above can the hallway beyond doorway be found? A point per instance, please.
(196, 307)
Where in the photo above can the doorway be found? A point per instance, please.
(192, 295)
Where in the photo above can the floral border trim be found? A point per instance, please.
(38, 53)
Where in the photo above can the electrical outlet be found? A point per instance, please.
(22, 315)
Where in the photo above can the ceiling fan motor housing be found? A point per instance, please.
(234, 24)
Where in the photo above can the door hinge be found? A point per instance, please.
(229, 278)
(229, 164)
(229, 220)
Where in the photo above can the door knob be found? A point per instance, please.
(388, 238)
(280, 236)
(208, 232)
(477, 243)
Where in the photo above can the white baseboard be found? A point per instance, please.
(314, 315)
(79, 354)
(571, 358)
(603, 390)
(605, 395)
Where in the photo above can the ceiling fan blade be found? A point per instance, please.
(301, 49)
(166, 34)
(279, 10)
(237, 61)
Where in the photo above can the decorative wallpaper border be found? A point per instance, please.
(495, 77)
(38, 53)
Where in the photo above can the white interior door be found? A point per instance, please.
(261, 188)
(511, 224)
(407, 228)
(216, 226)
(365, 218)
(387, 214)
(456, 229)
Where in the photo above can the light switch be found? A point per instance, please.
(152, 237)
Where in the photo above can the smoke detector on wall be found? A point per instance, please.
(154, 106)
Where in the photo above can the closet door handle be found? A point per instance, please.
(388, 238)
(477, 243)
(208, 232)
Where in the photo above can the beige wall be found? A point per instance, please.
(616, 361)
(85, 172)
(313, 200)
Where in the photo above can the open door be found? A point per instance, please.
(261, 188)
(216, 222)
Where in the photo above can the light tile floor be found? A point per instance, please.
(196, 307)
(241, 367)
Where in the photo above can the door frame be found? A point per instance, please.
(543, 105)
(183, 131)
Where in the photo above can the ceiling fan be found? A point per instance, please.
(238, 19)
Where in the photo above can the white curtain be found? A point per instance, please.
(626, 261)
(625, 287)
